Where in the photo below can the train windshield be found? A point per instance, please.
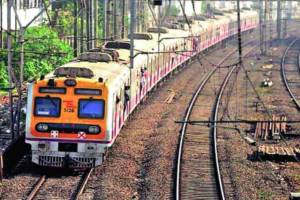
(46, 106)
(91, 108)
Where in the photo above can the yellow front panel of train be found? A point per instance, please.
(69, 109)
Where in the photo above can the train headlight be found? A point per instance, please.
(70, 82)
(42, 127)
(94, 129)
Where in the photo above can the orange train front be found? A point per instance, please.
(76, 112)
(68, 118)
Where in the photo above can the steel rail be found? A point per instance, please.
(283, 72)
(36, 188)
(214, 127)
(83, 183)
(187, 115)
(214, 131)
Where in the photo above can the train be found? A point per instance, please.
(75, 113)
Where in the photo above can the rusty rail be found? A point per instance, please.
(36, 188)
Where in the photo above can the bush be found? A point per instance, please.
(3, 75)
(44, 51)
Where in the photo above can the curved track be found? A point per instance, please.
(199, 168)
(291, 57)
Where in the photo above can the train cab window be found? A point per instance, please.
(47, 106)
(91, 108)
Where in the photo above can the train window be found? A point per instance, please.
(47, 106)
(91, 108)
(51, 90)
(82, 91)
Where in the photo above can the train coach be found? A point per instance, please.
(75, 113)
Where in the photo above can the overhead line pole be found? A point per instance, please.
(75, 27)
(9, 65)
(239, 31)
(284, 32)
(108, 20)
(115, 19)
(123, 20)
(271, 25)
(19, 83)
(96, 19)
(265, 28)
(132, 30)
(87, 9)
(81, 26)
(278, 19)
(104, 4)
(261, 24)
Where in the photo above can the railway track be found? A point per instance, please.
(290, 66)
(42, 188)
(198, 172)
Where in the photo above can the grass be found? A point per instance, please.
(264, 195)
(263, 90)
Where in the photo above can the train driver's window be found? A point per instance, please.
(47, 106)
(91, 108)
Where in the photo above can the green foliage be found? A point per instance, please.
(264, 195)
(3, 75)
(126, 21)
(203, 7)
(62, 17)
(44, 51)
(206, 7)
(173, 11)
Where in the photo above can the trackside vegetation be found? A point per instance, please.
(44, 51)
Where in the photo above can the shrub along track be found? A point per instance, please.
(141, 162)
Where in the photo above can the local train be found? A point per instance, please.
(75, 113)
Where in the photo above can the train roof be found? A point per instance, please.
(115, 73)
(109, 72)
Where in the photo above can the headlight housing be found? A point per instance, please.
(42, 127)
(94, 129)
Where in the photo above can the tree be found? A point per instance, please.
(44, 51)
